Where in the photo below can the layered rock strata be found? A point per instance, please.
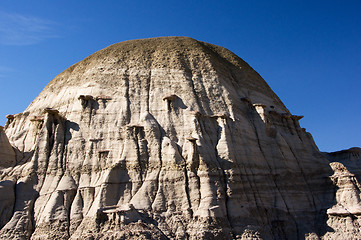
(167, 138)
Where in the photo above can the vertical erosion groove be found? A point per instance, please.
(149, 79)
(160, 161)
(274, 181)
(186, 186)
(127, 97)
(303, 174)
(222, 171)
(139, 158)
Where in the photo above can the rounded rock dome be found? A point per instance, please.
(163, 138)
(148, 69)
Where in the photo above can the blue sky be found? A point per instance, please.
(309, 52)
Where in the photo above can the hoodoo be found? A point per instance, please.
(169, 138)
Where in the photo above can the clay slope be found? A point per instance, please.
(167, 138)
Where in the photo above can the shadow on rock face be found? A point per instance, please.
(7, 201)
(70, 126)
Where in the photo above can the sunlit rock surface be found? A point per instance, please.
(169, 138)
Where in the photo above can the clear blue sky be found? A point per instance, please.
(309, 52)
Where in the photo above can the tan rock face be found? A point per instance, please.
(166, 138)
(344, 216)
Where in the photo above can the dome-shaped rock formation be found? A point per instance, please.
(167, 138)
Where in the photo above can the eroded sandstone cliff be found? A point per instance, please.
(168, 138)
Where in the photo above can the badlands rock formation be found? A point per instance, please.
(169, 138)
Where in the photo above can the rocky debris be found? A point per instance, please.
(192, 139)
(221, 159)
(51, 110)
(170, 97)
(37, 119)
(103, 97)
(10, 117)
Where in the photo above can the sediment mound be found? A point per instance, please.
(168, 138)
